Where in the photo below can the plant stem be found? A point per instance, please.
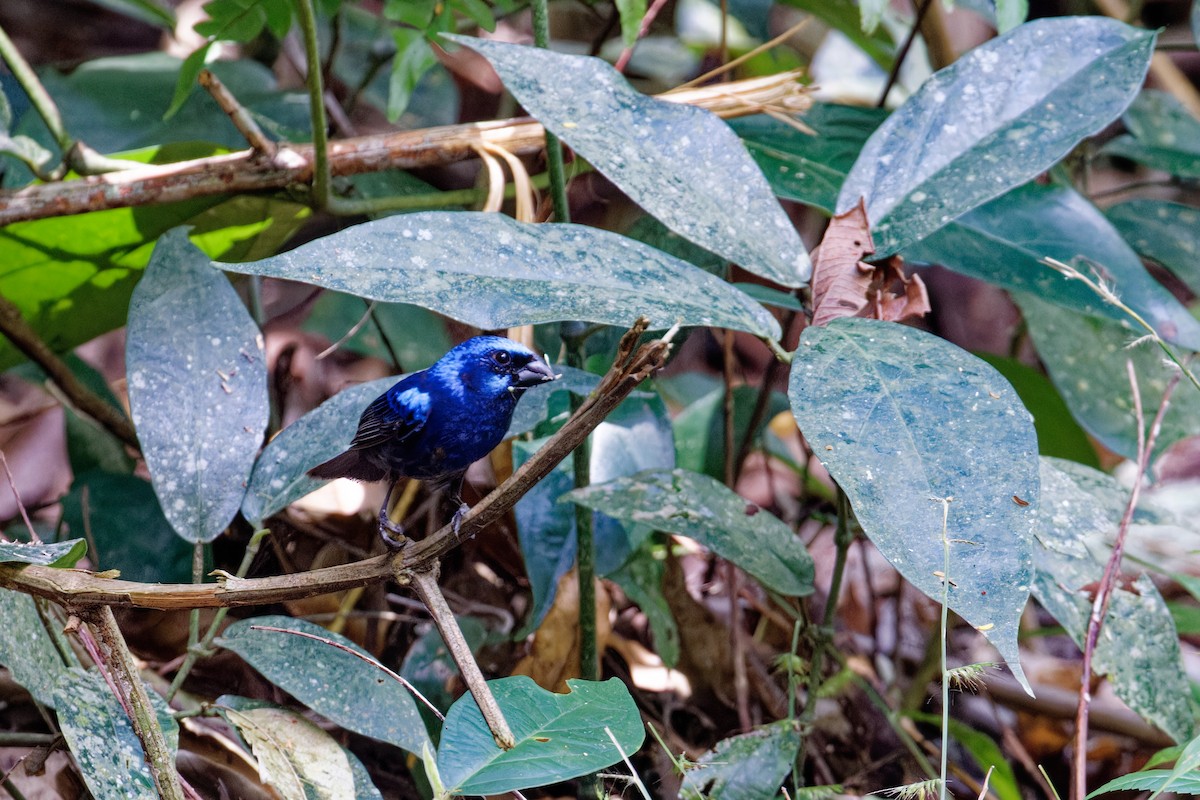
(38, 96)
(589, 657)
(922, 10)
(124, 671)
(554, 150)
(316, 104)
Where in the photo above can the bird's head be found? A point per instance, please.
(495, 366)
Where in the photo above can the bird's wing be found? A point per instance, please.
(394, 416)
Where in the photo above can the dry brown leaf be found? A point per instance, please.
(554, 654)
(846, 286)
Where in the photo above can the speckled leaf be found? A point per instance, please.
(1085, 357)
(491, 271)
(197, 387)
(280, 473)
(332, 682)
(101, 737)
(1163, 135)
(1196, 21)
(704, 509)
(1138, 647)
(751, 766)
(803, 167)
(26, 649)
(1168, 233)
(559, 736)
(993, 120)
(295, 757)
(535, 403)
(49, 554)
(901, 419)
(680, 163)
(1004, 241)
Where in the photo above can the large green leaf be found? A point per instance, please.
(26, 649)
(751, 766)
(804, 167)
(197, 387)
(1168, 233)
(679, 162)
(491, 271)
(1004, 242)
(1163, 135)
(700, 428)
(1085, 357)
(704, 509)
(903, 421)
(992, 120)
(52, 554)
(843, 16)
(559, 736)
(101, 737)
(351, 692)
(1139, 648)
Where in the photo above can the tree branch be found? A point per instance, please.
(251, 171)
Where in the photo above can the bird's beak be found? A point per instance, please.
(534, 373)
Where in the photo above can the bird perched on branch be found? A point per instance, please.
(435, 423)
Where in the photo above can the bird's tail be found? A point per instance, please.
(350, 464)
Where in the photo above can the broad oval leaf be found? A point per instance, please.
(48, 554)
(1139, 648)
(704, 509)
(102, 740)
(680, 163)
(904, 420)
(559, 736)
(751, 766)
(490, 271)
(1005, 241)
(992, 120)
(337, 685)
(26, 649)
(197, 387)
(1163, 135)
(1085, 357)
(280, 474)
(1168, 233)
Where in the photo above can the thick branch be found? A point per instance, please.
(251, 171)
(77, 588)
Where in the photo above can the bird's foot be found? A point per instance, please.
(392, 534)
(456, 521)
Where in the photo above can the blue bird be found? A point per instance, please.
(433, 424)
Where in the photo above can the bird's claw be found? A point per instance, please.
(392, 534)
(456, 521)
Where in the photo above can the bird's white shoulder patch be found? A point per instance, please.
(413, 404)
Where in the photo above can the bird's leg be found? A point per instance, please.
(455, 491)
(392, 533)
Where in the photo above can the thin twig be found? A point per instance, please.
(644, 28)
(237, 113)
(1112, 569)
(12, 484)
(894, 74)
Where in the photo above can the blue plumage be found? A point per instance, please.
(435, 423)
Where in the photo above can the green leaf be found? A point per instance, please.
(280, 473)
(189, 74)
(700, 428)
(1059, 435)
(1196, 21)
(491, 271)
(1148, 781)
(1168, 233)
(631, 13)
(872, 14)
(1163, 159)
(658, 153)
(146, 11)
(804, 167)
(197, 387)
(418, 337)
(294, 756)
(233, 20)
(640, 578)
(126, 523)
(1010, 14)
(1139, 648)
(559, 736)
(1000, 115)
(1163, 135)
(902, 420)
(350, 692)
(1085, 357)
(844, 17)
(704, 509)
(27, 650)
(247, 227)
(49, 554)
(1187, 761)
(36, 157)
(986, 753)
(414, 57)
(429, 667)
(751, 766)
(1004, 241)
(102, 740)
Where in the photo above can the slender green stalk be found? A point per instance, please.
(316, 104)
(38, 96)
(589, 660)
(554, 150)
(203, 646)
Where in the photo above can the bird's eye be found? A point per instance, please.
(502, 358)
